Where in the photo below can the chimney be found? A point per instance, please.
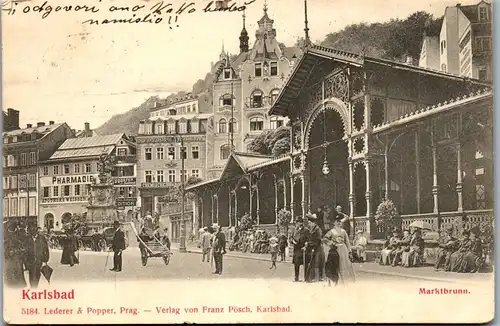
(29, 125)
(459, 4)
(87, 127)
(409, 60)
(40, 124)
(51, 122)
(13, 119)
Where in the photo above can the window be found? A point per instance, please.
(55, 191)
(66, 191)
(233, 125)
(182, 127)
(194, 126)
(483, 44)
(32, 180)
(5, 207)
(32, 158)
(195, 152)
(276, 123)
(46, 192)
(148, 156)
(148, 128)
(183, 152)
(256, 99)
(149, 176)
(88, 168)
(13, 182)
(56, 169)
(45, 170)
(6, 181)
(480, 197)
(274, 68)
(22, 206)
(227, 73)
(258, 69)
(482, 73)
(194, 107)
(483, 14)
(443, 67)
(256, 124)
(171, 175)
(172, 112)
(76, 168)
(159, 153)
(77, 190)
(13, 207)
(195, 173)
(160, 128)
(23, 159)
(159, 176)
(171, 153)
(171, 127)
(4, 161)
(226, 100)
(222, 126)
(122, 152)
(66, 168)
(183, 175)
(274, 95)
(224, 152)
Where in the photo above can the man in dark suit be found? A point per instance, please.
(299, 239)
(314, 263)
(117, 245)
(219, 248)
(37, 254)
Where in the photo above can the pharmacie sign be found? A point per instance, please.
(73, 179)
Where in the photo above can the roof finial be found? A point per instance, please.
(306, 28)
(244, 16)
(265, 6)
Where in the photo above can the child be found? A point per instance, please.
(273, 249)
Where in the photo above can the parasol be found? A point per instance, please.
(421, 225)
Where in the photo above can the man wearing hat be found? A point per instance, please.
(117, 245)
(37, 254)
(447, 244)
(219, 248)
(315, 257)
(206, 244)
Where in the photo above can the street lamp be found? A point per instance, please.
(182, 240)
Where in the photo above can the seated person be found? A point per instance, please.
(447, 245)
(402, 249)
(359, 247)
(416, 252)
(389, 247)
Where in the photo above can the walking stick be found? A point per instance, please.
(305, 264)
(107, 258)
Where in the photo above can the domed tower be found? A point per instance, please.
(244, 37)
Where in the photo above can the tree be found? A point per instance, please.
(246, 222)
(281, 147)
(387, 216)
(284, 219)
(77, 223)
(266, 142)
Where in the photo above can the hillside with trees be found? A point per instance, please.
(392, 40)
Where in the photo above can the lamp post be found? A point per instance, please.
(182, 240)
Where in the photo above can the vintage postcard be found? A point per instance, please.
(279, 161)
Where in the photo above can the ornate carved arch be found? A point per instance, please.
(333, 104)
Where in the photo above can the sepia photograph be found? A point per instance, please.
(247, 161)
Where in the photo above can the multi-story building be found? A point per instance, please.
(24, 149)
(10, 120)
(159, 150)
(464, 46)
(244, 88)
(67, 175)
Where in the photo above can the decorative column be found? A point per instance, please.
(368, 194)
(386, 171)
(460, 207)
(435, 186)
(202, 205)
(303, 203)
(250, 197)
(292, 202)
(351, 189)
(230, 196)
(235, 208)
(212, 213)
(417, 167)
(217, 207)
(285, 206)
(258, 203)
(275, 200)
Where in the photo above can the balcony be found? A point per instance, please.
(126, 159)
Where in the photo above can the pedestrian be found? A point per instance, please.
(273, 249)
(70, 246)
(299, 238)
(206, 244)
(38, 253)
(345, 219)
(283, 243)
(15, 248)
(219, 248)
(166, 240)
(340, 254)
(117, 245)
(314, 250)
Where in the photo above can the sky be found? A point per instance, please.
(60, 69)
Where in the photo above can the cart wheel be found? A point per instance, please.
(144, 260)
(166, 259)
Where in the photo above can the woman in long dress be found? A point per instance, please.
(338, 239)
(70, 246)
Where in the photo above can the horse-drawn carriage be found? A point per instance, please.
(97, 241)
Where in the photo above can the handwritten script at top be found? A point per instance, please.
(155, 14)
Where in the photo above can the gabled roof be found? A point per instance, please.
(44, 130)
(315, 54)
(242, 161)
(88, 142)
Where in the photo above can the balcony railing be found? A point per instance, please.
(126, 158)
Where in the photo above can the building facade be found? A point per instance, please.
(67, 175)
(365, 130)
(23, 152)
(159, 151)
(464, 45)
(10, 120)
(245, 86)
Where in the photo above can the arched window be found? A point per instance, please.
(225, 151)
(276, 123)
(443, 67)
(274, 95)
(256, 100)
(233, 125)
(160, 127)
(225, 101)
(222, 126)
(256, 124)
(172, 112)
